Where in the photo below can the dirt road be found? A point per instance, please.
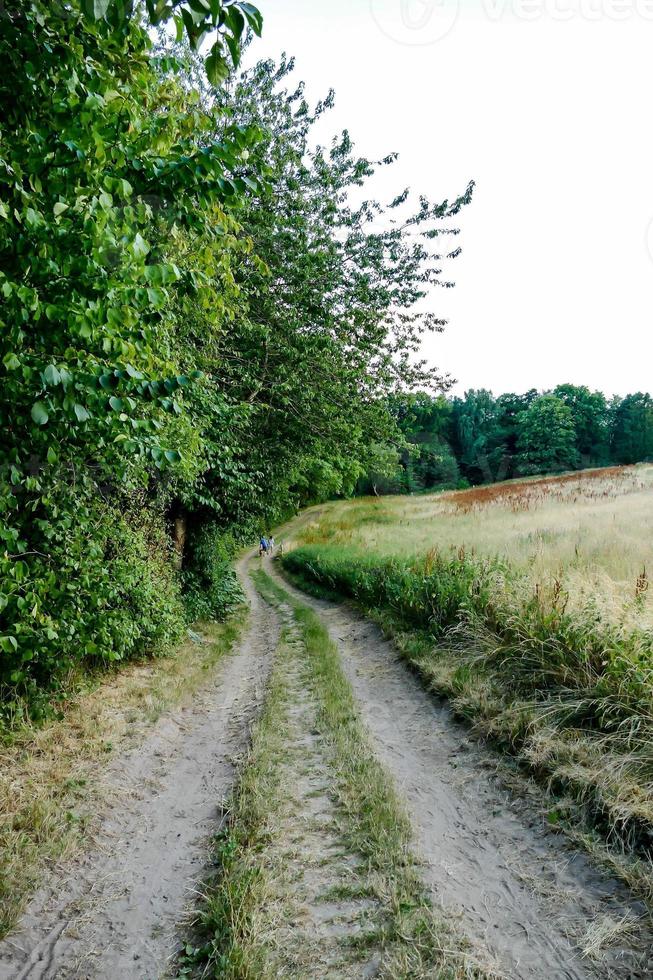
(114, 912)
(528, 902)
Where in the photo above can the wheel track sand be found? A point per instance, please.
(519, 890)
(114, 911)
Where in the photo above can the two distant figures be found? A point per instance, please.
(266, 546)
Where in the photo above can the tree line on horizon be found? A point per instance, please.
(454, 442)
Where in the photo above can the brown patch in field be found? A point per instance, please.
(521, 494)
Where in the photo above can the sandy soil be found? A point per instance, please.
(115, 911)
(519, 890)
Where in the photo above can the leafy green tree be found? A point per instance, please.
(589, 412)
(109, 179)
(547, 438)
(509, 407)
(383, 474)
(224, 22)
(632, 429)
(475, 433)
(427, 459)
(200, 329)
(330, 328)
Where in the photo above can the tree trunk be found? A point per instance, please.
(179, 537)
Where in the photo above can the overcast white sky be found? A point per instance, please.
(547, 105)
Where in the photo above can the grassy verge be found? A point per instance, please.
(412, 939)
(572, 703)
(49, 787)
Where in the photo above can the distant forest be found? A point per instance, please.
(456, 442)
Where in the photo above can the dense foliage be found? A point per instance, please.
(200, 326)
(452, 442)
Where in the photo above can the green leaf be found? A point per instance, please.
(254, 17)
(108, 381)
(81, 413)
(11, 361)
(140, 248)
(40, 413)
(236, 21)
(234, 49)
(172, 455)
(217, 69)
(97, 8)
(59, 208)
(116, 403)
(52, 375)
(162, 274)
(52, 455)
(156, 296)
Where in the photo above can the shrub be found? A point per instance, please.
(210, 585)
(96, 587)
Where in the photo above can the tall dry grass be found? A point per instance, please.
(591, 532)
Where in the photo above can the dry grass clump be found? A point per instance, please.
(50, 776)
(608, 931)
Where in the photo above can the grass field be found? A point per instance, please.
(591, 532)
(528, 605)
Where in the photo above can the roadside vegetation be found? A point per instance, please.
(50, 774)
(316, 875)
(499, 605)
(183, 270)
